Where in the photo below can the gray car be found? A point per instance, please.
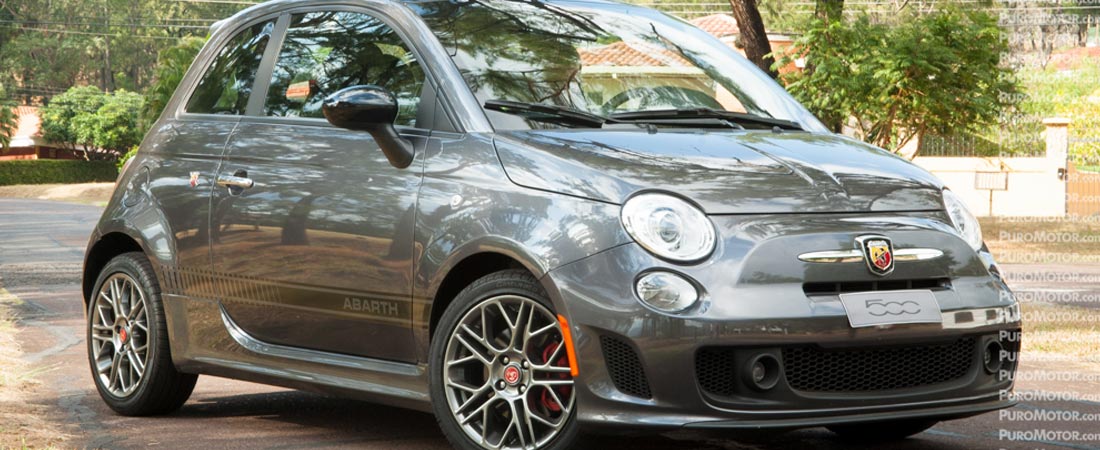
(533, 219)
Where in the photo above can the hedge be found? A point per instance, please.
(42, 171)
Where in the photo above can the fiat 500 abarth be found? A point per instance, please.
(534, 219)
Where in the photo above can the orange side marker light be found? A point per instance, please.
(567, 336)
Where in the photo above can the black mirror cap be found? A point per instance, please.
(372, 109)
(360, 108)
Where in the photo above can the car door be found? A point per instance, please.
(318, 252)
(185, 150)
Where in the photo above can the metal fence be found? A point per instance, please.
(972, 145)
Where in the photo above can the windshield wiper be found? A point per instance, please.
(703, 113)
(548, 113)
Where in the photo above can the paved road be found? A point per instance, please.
(41, 246)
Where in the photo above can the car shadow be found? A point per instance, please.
(339, 422)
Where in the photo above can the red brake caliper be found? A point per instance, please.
(563, 391)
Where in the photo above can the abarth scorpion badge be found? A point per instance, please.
(878, 252)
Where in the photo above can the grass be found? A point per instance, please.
(1061, 333)
(1043, 240)
(1053, 332)
(22, 423)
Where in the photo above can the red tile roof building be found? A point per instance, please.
(622, 54)
(27, 142)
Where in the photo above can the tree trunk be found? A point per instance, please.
(108, 72)
(829, 11)
(753, 36)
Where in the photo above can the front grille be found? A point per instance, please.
(813, 369)
(810, 368)
(624, 367)
(828, 288)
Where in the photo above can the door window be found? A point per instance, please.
(327, 51)
(225, 87)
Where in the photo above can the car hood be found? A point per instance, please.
(728, 172)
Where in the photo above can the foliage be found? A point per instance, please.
(58, 116)
(936, 73)
(172, 65)
(43, 171)
(114, 126)
(49, 45)
(9, 121)
(126, 158)
(1074, 94)
(93, 124)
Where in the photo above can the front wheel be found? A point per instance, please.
(882, 431)
(128, 341)
(500, 374)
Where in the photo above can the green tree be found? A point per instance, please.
(113, 128)
(50, 45)
(9, 121)
(58, 116)
(936, 73)
(92, 124)
(172, 65)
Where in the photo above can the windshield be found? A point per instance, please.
(598, 58)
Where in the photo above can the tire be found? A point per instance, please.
(882, 431)
(540, 383)
(132, 382)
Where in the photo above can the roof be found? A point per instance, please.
(1074, 57)
(630, 55)
(718, 25)
(638, 54)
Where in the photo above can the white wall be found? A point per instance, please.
(1034, 188)
(1034, 185)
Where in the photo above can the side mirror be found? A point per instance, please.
(372, 109)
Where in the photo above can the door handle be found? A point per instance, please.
(236, 183)
(231, 181)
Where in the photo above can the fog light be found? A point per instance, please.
(991, 359)
(762, 372)
(666, 291)
(758, 372)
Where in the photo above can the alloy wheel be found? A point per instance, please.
(506, 374)
(120, 334)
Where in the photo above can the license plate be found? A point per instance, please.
(867, 309)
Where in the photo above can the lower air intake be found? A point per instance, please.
(624, 367)
(814, 369)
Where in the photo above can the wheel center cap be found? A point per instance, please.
(512, 374)
(123, 336)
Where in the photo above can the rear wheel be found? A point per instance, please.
(128, 341)
(882, 431)
(500, 376)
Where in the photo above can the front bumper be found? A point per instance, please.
(643, 368)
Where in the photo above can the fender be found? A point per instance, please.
(467, 207)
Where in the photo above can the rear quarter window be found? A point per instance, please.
(227, 83)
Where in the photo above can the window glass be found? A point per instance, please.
(600, 58)
(327, 51)
(225, 87)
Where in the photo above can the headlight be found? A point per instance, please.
(669, 227)
(666, 291)
(965, 222)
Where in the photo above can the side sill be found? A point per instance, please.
(254, 345)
